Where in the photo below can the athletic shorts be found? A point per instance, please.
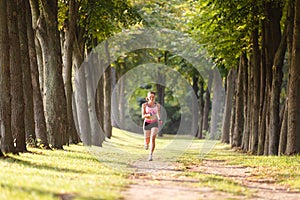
(148, 126)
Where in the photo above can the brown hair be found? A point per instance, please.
(150, 92)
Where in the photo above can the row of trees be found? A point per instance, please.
(42, 43)
(254, 44)
(258, 43)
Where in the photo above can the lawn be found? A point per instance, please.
(102, 173)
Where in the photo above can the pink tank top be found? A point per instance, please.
(153, 111)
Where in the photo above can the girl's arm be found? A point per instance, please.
(144, 114)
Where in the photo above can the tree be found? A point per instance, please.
(17, 98)
(38, 107)
(239, 104)
(107, 126)
(5, 103)
(27, 82)
(228, 106)
(70, 25)
(55, 99)
(293, 139)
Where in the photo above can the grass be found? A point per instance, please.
(45, 174)
(102, 173)
(283, 170)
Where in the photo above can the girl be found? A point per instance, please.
(151, 116)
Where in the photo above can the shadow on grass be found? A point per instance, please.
(47, 193)
(41, 166)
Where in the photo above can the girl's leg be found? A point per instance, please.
(154, 132)
(147, 134)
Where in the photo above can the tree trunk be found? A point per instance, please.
(283, 130)
(239, 114)
(256, 92)
(207, 104)
(217, 105)
(107, 102)
(195, 110)
(100, 100)
(27, 83)
(273, 37)
(55, 99)
(262, 119)
(107, 97)
(5, 104)
(93, 69)
(247, 102)
(38, 107)
(67, 60)
(228, 106)
(201, 106)
(232, 119)
(121, 103)
(293, 138)
(17, 98)
(160, 87)
(83, 125)
(161, 83)
(113, 85)
(275, 96)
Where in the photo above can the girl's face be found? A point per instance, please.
(151, 97)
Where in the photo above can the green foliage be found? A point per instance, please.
(100, 19)
(168, 14)
(224, 28)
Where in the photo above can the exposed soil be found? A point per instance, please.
(160, 180)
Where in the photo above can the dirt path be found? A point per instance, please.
(160, 180)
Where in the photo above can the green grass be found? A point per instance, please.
(45, 174)
(101, 173)
(284, 170)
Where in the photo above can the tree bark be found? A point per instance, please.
(232, 119)
(256, 92)
(283, 131)
(83, 127)
(201, 107)
(27, 83)
(217, 105)
(273, 36)
(107, 97)
(161, 88)
(107, 102)
(113, 85)
(38, 107)
(247, 103)
(275, 96)
(239, 114)
(228, 106)
(262, 119)
(5, 104)
(122, 103)
(293, 139)
(194, 106)
(67, 61)
(17, 98)
(207, 104)
(55, 99)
